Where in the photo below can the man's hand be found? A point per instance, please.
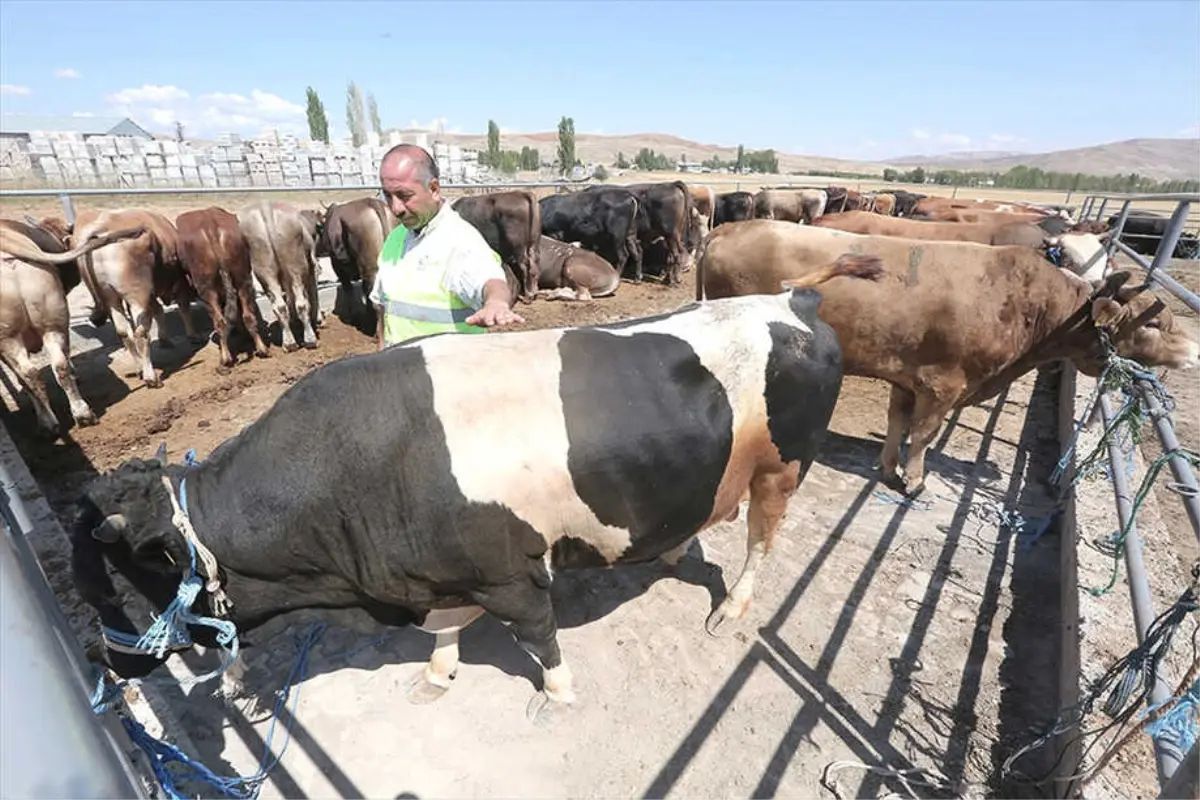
(494, 314)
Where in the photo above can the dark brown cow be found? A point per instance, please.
(132, 280)
(733, 207)
(216, 256)
(353, 236)
(567, 272)
(665, 214)
(927, 328)
(511, 223)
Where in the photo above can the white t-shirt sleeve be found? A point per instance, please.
(376, 295)
(471, 266)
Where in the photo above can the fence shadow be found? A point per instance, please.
(823, 704)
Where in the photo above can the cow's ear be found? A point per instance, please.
(111, 529)
(160, 455)
(1112, 283)
(1107, 313)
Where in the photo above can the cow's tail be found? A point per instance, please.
(851, 265)
(100, 313)
(688, 209)
(385, 224)
(701, 258)
(535, 234)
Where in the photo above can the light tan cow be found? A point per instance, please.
(131, 281)
(950, 324)
(283, 257)
(36, 273)
(804, 205)
(885, 204)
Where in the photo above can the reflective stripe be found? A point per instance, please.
(426, 313)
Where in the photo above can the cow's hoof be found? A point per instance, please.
(545, 712)
(153, 383)
(421, 692)
(290, 347)
(912, 489)
(727, 612)
(224, 369)
(85, 420)
(310, 345)
(262, 353)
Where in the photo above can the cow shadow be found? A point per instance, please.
(856, 455)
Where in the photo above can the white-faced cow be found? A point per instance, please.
(36, 274)
(649, 431)
(951, 323)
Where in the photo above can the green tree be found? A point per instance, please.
(600, 173)
(373, 110)
(530, 158)
(622, 163)
(493, 150)
(890, 175)
(318, 126)
(566, 145)
(918, 175)
(355, 116)
(741, 159)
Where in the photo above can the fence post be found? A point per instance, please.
(1166, 245)
(68, 209)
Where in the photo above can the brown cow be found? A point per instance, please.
(282, 242)
(993, 233)
(353, 236)
(567, 272)
(928, 329)
(963, 215)
(36, 274)
(704, 201)
(510, 223)
(217, 259)
(132, 280)
(885, 204)
(664, 217)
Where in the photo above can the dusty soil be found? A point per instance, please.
(892, 635)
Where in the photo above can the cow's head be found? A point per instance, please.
(1083, 254)
(1139, 327)
(123, 520)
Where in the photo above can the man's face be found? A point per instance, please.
(413, 203)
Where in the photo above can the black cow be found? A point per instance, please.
(664, 215)
(733, 207)
(511, 224)
(906, 202)
(650, 431)
(602, 219)
(1144, 231)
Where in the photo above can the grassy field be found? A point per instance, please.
(174, 203)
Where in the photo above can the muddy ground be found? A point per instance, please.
(883, 634)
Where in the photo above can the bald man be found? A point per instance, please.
(436, 273)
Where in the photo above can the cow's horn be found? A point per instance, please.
(161, 454)
(111, 529)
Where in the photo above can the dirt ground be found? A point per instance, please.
(884, 634)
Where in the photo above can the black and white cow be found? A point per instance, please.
(428, 506)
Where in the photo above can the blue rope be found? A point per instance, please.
(1177, 727)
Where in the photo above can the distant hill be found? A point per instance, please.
(1161, 159)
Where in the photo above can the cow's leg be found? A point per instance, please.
(160, 324)
(212, 300)
(303, 298)
(673, 556)
(14, 354)
(927, 418)
(433, 681)
(769, 493)
(245, 295)
(57, 348)
(900, 411)
(279, 305)
(525, 606)
(142, 316)
(123, 329)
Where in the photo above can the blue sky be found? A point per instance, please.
(854, 79)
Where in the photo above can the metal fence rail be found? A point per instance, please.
(1168, 761)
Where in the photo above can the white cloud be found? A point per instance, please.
(1190, 132)
(14, 89)
(208, 114)
(918, 133)
(66, 72)
(954, 140)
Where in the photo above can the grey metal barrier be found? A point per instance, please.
(51, 742)
(1168, 761)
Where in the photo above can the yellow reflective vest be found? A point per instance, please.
(415, 301)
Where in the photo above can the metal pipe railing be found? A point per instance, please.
(1139, 584)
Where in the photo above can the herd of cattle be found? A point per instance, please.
(648, 430)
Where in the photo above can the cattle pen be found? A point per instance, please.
(910, 646)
